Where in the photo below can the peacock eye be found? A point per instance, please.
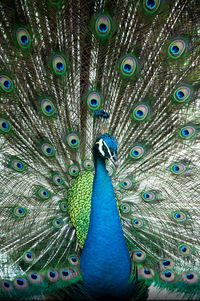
(88, 164)
(66, 274)
(138, 256)
(6, 285)
(137, 223)
(63, 205)
(5, 126)
(29, 257)
(103, 26)
(23, 38)
(57, 180)
(53, 275)
(137, 152)
(43, 193)
(167, 276)
(74, 260)
(59, 64)
(34, 277)
(125, 208)
(17, 165)
(48, 150)
(151, 5)
(6, 84)
(182, 94)
(57, 223)
(184, 250)
(73, 170)
(176, 48)
(178, 168)
(179, 216)
(166, 263)
(126, 184)
(187, 132)
(118, 195)
(140, 112)
(73, 140)
(94, 101)
(190, 277)
(148, 196)
(146, 273)
(128, 66)
(20, 283)
(47, 107)
(19, 212)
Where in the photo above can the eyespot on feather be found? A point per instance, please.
(6, 83)
(23, 38)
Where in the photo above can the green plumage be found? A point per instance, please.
(64, 65)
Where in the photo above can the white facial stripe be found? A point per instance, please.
(100, 142)
(107, 149)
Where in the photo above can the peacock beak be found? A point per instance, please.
(114, 160)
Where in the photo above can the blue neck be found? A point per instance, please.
(105, 261)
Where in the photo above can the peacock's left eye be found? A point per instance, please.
(57, 223)
(184, 250)
(23, 38)
(20, 283)
(151, 5)
(103, 26)
(176, 48)
(6, 83)
(167, 276)
(48, 150)
(5, 126)
(53, 275)
(182, 94)
(128, 66)
(59, 64)
(93, 101)
(190, 277)
(19, 212)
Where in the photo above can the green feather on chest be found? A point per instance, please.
(79, 205)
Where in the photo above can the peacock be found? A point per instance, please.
(99, 149)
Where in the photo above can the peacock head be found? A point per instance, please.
(106, 147)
